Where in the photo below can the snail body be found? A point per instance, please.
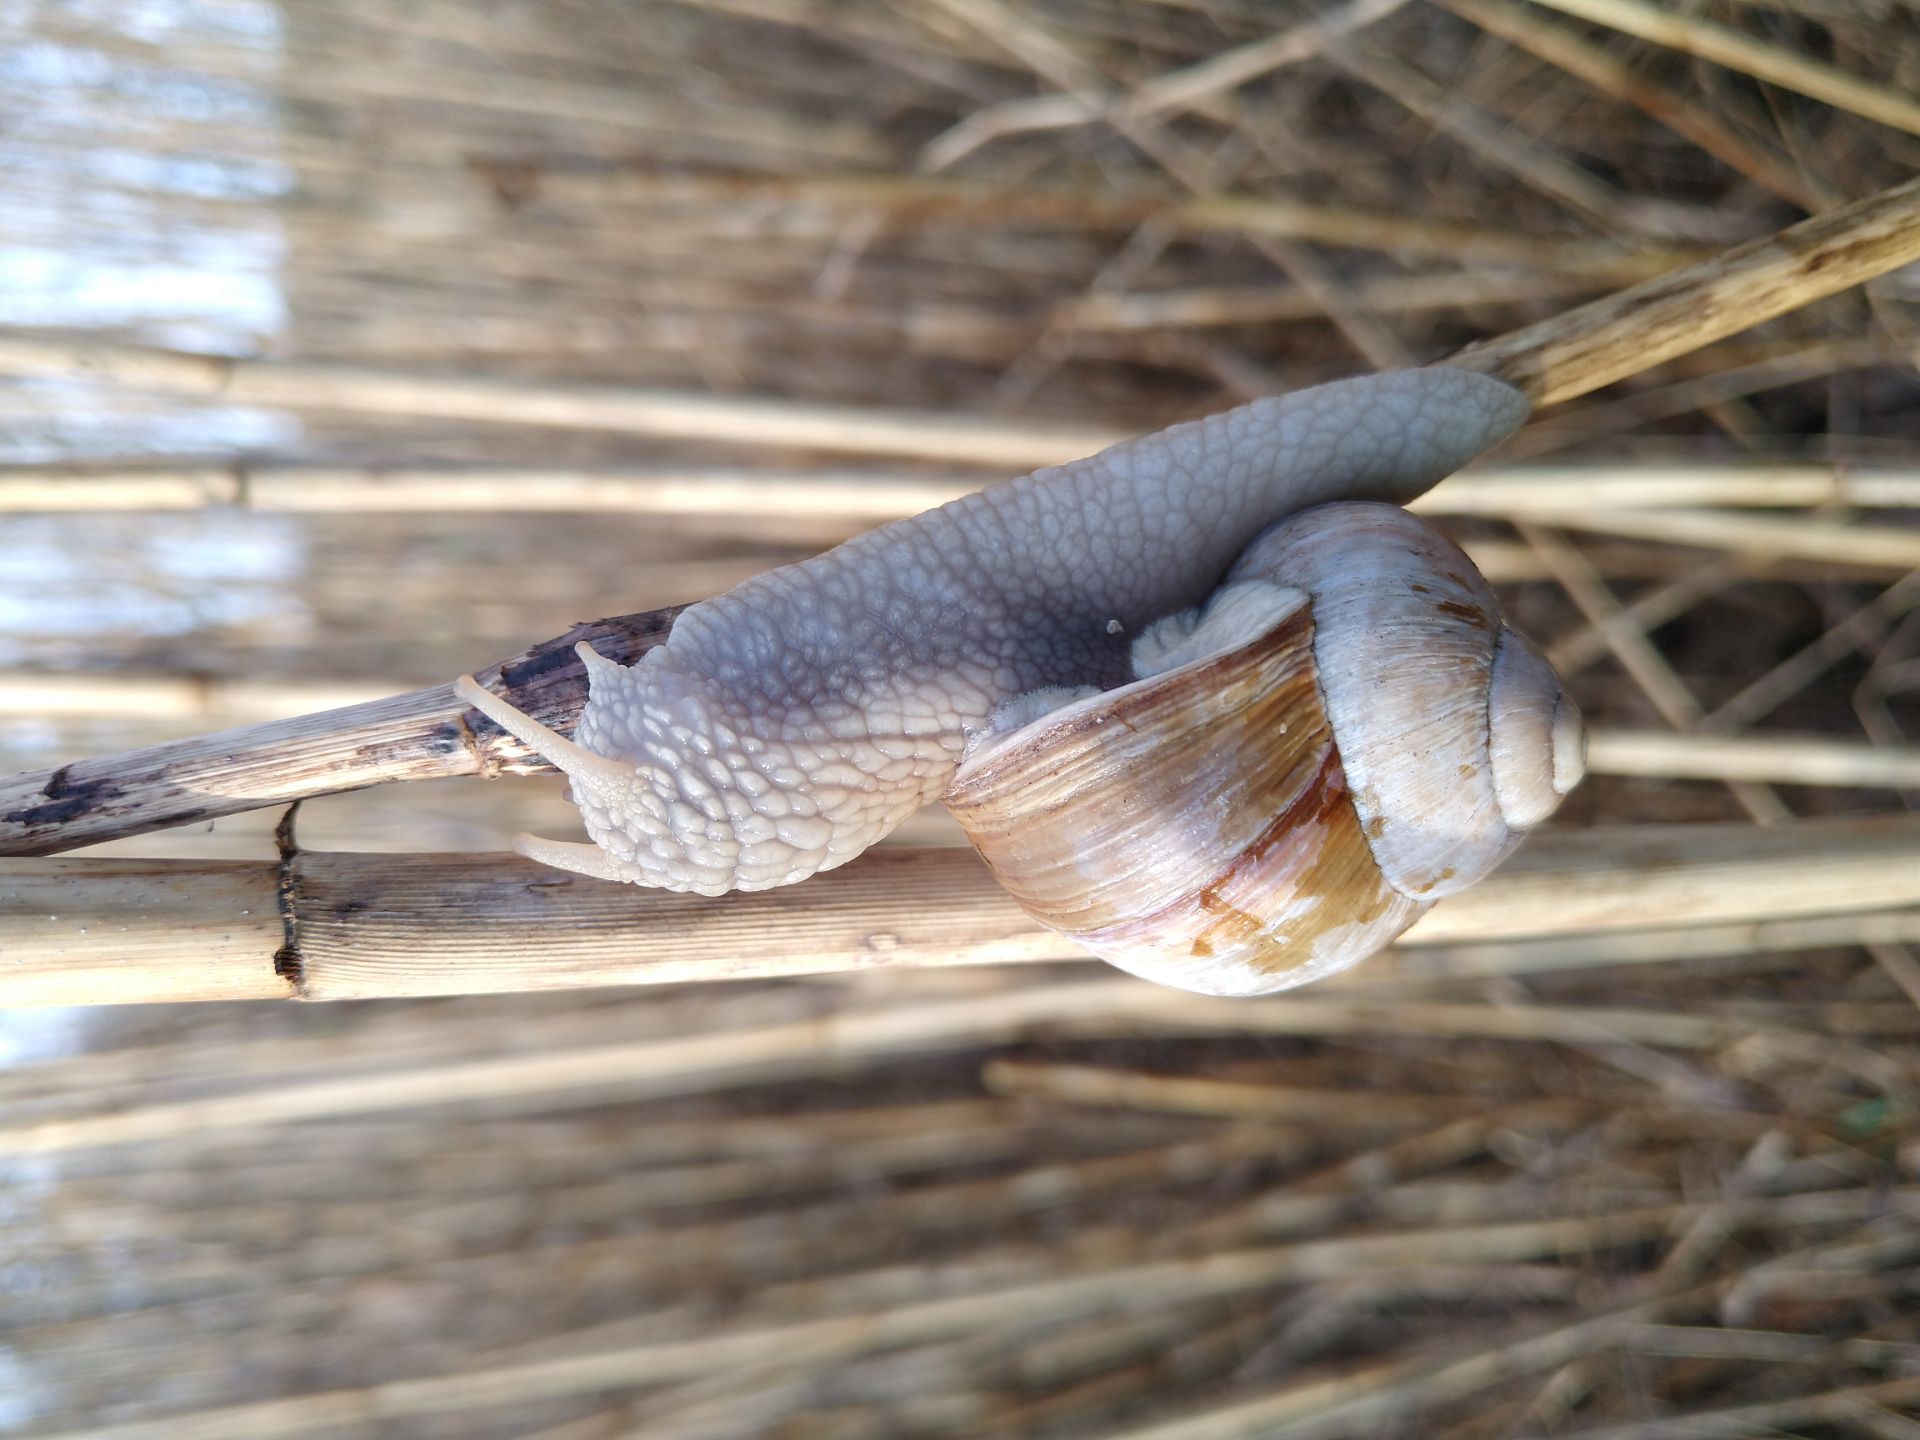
(788, 724)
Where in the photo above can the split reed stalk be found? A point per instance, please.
(334, 926)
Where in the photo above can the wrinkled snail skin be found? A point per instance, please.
(788, 724)
(1345, 734)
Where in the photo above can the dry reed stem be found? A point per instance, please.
(1199, 307)
(936, 435)
(1850, 635)
(579, 101)
(873, 497)
(1624, 334)
(1380, 1395)
(420, 735)
(1772, 1417)
(1561, 47)
(1670, 695)
(1050, 58)
(1773, 760)
(1712, 391)
(693, 1064)
(1184, 88)
(1353, 1287)
(1665, 601)
(1725, 46)
(1867, 547)
(331, 926)
(708, 1063)
(1530, 161)
(1083, 1289)
(1610, 949)
(841, 1336)
(1555, 360)
(1602, 610)
(175, 697)
(1199, 1095)
(1174, 91)
(962, 203)
(870, 497)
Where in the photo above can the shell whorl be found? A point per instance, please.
(1434, 702)
(1344, 734)
(1537, 741)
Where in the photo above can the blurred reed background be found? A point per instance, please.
(1624, 1187)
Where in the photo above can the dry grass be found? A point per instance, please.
(1642, 1182)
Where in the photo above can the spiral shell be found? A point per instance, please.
(1346, 733)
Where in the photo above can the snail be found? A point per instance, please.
(1208, 702)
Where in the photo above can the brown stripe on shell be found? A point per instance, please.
(1303, 901)
(1195, 827)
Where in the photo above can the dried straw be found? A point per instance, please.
(332, 926)
(1618, 1182)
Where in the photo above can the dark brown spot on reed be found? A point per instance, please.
(67, 798)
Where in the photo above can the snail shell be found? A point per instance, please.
(1344, 734)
